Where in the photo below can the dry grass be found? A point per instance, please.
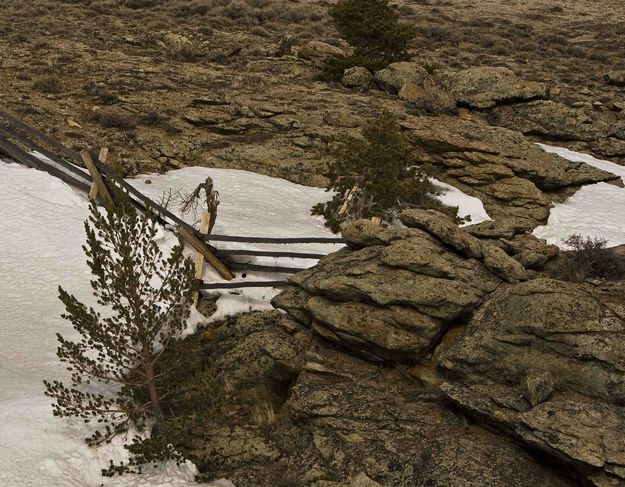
(263, 413)
(48, 84)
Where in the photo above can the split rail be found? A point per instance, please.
(20, 142)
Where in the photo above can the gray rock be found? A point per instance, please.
(512, 176)
(293, 300)
(573, 407)
(538, 386)
(357, 77)
(485, 87)
(502, 264)
(394, 332)
(442, 227)
(504, 228)
(396, 75)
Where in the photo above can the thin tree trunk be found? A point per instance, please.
(149, 374)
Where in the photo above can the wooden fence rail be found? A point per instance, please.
(240, 285)
(274, 240)
(269, 253)
(19, 141)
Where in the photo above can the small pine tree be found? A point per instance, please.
(372, 28)
(376, 177)
(147, 298)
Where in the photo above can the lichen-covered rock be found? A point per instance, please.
(317, 51)
(502, 264)
(372, 423)
(443, 228)
(512, 176)
(486, 86)
(396, 75)
(392, 293)
(395, 332)
(503, 228)
(357, 77)
(544, 360)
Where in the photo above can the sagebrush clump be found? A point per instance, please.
(377, 176)
(588, 257)
(372, 28)
(144, 300)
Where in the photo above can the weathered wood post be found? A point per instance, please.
(199, 258)
(102, 190)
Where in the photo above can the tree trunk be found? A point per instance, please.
(149, 374)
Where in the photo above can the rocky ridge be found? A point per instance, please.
(380, 339)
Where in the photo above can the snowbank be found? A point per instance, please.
(41, 235)
(596, 210)
(250, 205)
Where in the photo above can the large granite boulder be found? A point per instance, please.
(341, 421)
(362, 418)
(544, 361)
(486, 86)
(392, 293)
(414, 357)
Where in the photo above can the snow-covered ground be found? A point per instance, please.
(250, 205)
(41, 235)
(596, 210)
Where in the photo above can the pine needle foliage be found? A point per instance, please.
(376, 177)
(143, 300)
(372, 28)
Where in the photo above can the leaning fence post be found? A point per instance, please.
(186, 233)
(102, 156)
(98, 180)
(199, 257)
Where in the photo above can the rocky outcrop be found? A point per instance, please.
(512, 176)
(381, 338)
(394, 292)
(544, 361)
(360, 418)
(600, 131)
(341, 421)
(485, 86)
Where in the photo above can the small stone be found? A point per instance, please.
(538, 386)
(615, 78)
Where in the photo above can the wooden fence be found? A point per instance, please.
(18, 141)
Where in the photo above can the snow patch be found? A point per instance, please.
(596, 210)
(468, 206)
(250, 205)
